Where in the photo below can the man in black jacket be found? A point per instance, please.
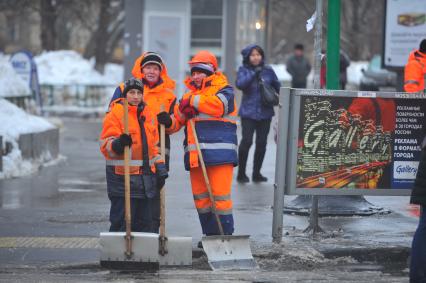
(418, 250)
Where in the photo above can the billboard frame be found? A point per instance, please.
(293, 136)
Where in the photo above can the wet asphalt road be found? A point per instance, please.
(49, 224)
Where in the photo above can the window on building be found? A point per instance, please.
(206, 26)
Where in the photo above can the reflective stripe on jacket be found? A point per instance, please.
(215, 124)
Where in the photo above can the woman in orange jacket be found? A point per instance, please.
(211, 105)
(147, 170)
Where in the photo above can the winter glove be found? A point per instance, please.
(161, 174)
(119, 143)
(184, 103)
(189, 112)
(258, 70)
(164, 119)
(186, 109)
(132, 84)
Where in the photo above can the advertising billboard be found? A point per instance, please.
(349, 142)
(405, 27)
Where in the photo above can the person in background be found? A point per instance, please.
(343, 66)
(415, 70)
(255, 117)
(147, 170)
(418, 250)
(158, 93)
(298, 67)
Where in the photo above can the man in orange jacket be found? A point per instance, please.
(210, 103)
(147, 170)
(158, 93)
(415, 70)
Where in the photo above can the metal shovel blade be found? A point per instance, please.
(145, 249)
(228, 252)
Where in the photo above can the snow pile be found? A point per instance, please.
(11, 84)
(354, 71)
(14, 122)
(66, 67)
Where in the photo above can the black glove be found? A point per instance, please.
(132, 84)
(164, 118)
(119, 143)
(162, 174)
(258, 70)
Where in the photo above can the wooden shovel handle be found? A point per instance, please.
(127, 215)
(206, 177)
(162, 238)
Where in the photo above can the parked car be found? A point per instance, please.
(375, 77)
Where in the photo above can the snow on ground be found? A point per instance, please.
(66, 67)
(14, 122)
(11, 84)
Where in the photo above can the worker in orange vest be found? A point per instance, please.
(147, 170)
(158, 93)
(415, 70)
(210, 103)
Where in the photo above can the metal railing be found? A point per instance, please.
(78, 95)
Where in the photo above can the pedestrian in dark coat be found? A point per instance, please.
(298, 67)
(418, 251)
(255, 117)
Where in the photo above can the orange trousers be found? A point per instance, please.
(220, 178)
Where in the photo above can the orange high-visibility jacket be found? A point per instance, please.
(415, 72)
(215, 124)
(113, 127)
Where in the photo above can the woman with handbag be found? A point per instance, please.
(260, 87)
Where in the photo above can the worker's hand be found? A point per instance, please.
(164, 119)
(161, 174)
(189, 112)
(122, 141)
(184, 103)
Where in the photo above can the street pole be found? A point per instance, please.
(333, 44)
(314, 215)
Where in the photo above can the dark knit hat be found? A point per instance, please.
(132, 84)
(152, 58)
(202, 68)
(422, 47)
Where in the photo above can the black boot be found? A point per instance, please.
(259, 155)
(242, 162)
(257, 178)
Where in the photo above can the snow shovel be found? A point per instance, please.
(224, 252)
(137, 250)
(171, 250)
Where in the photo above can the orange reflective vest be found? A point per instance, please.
(215, 124)
(415, 72)
(113, 127)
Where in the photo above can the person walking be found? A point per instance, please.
(415, 70)
(298, 67)
(255, 117)
(147, 170)
(158, 93)
(418, 250)
(210, 104)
